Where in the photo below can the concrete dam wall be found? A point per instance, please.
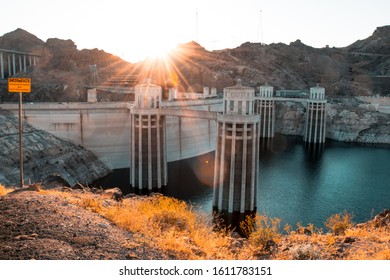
(104, 128)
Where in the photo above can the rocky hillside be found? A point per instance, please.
(47, 159)
(363, 68)
(63, 71)
(347, 119)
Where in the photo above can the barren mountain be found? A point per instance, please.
(363, 68)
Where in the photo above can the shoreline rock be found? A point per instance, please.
(346, 121)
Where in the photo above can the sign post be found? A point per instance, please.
(20, 85)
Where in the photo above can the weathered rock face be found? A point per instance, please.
(347, 120)
(289, 118)
(45, 156)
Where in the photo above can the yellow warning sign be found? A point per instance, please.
(19, 85)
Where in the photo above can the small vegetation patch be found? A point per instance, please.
(339, 223)
(4, 190)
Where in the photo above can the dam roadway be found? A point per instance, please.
(104, 128)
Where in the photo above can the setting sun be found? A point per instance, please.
(159, 50)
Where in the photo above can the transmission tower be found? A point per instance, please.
(94, 74)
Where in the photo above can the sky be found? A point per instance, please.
(135, 29)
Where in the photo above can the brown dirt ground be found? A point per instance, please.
(46, 226)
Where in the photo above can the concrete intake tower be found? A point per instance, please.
(148, 153)
(315, 116)
(266, 109)
(237, 152)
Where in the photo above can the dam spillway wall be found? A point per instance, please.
(104, 128)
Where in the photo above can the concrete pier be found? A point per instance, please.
(148, 152)
(12, 62)
(237, 152)
(315, 116)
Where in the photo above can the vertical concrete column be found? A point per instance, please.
(158, 129)
(232, 169)
(2, 65)
(306, 132)
(20, 63)
(321, 123)
(140, 151)
(24, 64)
(222, 165)
(324, 123)
(243, 178)
(150, 152)
(9, 65)
(132, 154)
(264, 117)
(14, 63)
(311, 121)
(316, 122)
(255, 162)
(216, 166)
(165, 165)
(273, 118)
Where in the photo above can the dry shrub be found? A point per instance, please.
(156, 214)
(166, 212)
(339, 223)
(261, 229)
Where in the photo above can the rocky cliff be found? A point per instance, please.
(47, 159)
(347, 119)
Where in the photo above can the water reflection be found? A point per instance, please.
(313, 151)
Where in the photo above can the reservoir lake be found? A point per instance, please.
(297, 183)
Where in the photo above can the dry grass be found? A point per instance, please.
(171, 225)
(174, 226)
(185, 233)
(163, 222)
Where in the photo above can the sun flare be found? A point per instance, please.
(158, 50)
